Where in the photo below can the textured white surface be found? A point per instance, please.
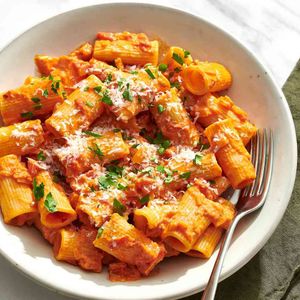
(269, 28)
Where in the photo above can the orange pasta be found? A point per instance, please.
(231, 153)
(208, 109)
(53, 204)
(203, 77)
(131, 48)
(22, 138)
(36, 97)
(16, 199)
(127, 157)
(79, 110)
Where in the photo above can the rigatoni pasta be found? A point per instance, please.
(120, 152)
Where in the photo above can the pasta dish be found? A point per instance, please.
(119, 153)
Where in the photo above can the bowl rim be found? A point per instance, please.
(293, 151)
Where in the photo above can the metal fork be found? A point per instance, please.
(251, 198)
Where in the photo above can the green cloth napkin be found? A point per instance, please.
(274, 273)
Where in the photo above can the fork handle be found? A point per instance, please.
(210, 290)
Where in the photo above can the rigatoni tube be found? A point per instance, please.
(54, 206)
(21, 138)
(79, 110)
(231, 153)
(16, 198)
(122, 240)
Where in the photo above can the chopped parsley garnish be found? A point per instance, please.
(27, 115)
(127, 94)
(50, 203)
(92, 189)
(45, 93)
(160, 140)
(118, 207)
(35, 99)
(91, 133)
(98, 89)
(175, 84)
(116, 130)
(108, 78)
(197, 159)
(177, 70)
(120, 83)
(106, 99)
(186, 53)
(121, 187)
(134, 72)
(203, 147)
(64, 94)
(162, 67)
(135, 146)
(154, 159)
(160, 108)
(160, 169)
(50, 77)
(115, 170)
(89, 104)
(41, 156)
(37, 106)
(185, 175)
(147, 170)
(178, 58)
(96, 150)
(55, 86)
(99, 233)
(38, 190)
(106, 181)
(86, 88)
(168, 179)
(145, 199)
(151, 75)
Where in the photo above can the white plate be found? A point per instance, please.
(253, 89)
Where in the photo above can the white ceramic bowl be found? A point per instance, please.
(253, 89)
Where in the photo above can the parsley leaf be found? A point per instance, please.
(127, 94)
(98, 89)
(185, 175)
(160, 169)
(35, 99)
(121, 187)
(197, 159)
(27, 115)
(145, 199)
(97, 151)
(41, 156)
(106, 99)
(106, 181)
(38, 190)
(162, 67)
(45, 93)
(160, 108)
(108, 78)
(89, 104)
(168, 179)
(151, 75)
(99, 233)
(91, 133)
(178, 58)
(134, 72)
(55, 86)
(86, 88)
(50, 203)
(186, 53)
(175, 84)
(118, 207)
(203, 147)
